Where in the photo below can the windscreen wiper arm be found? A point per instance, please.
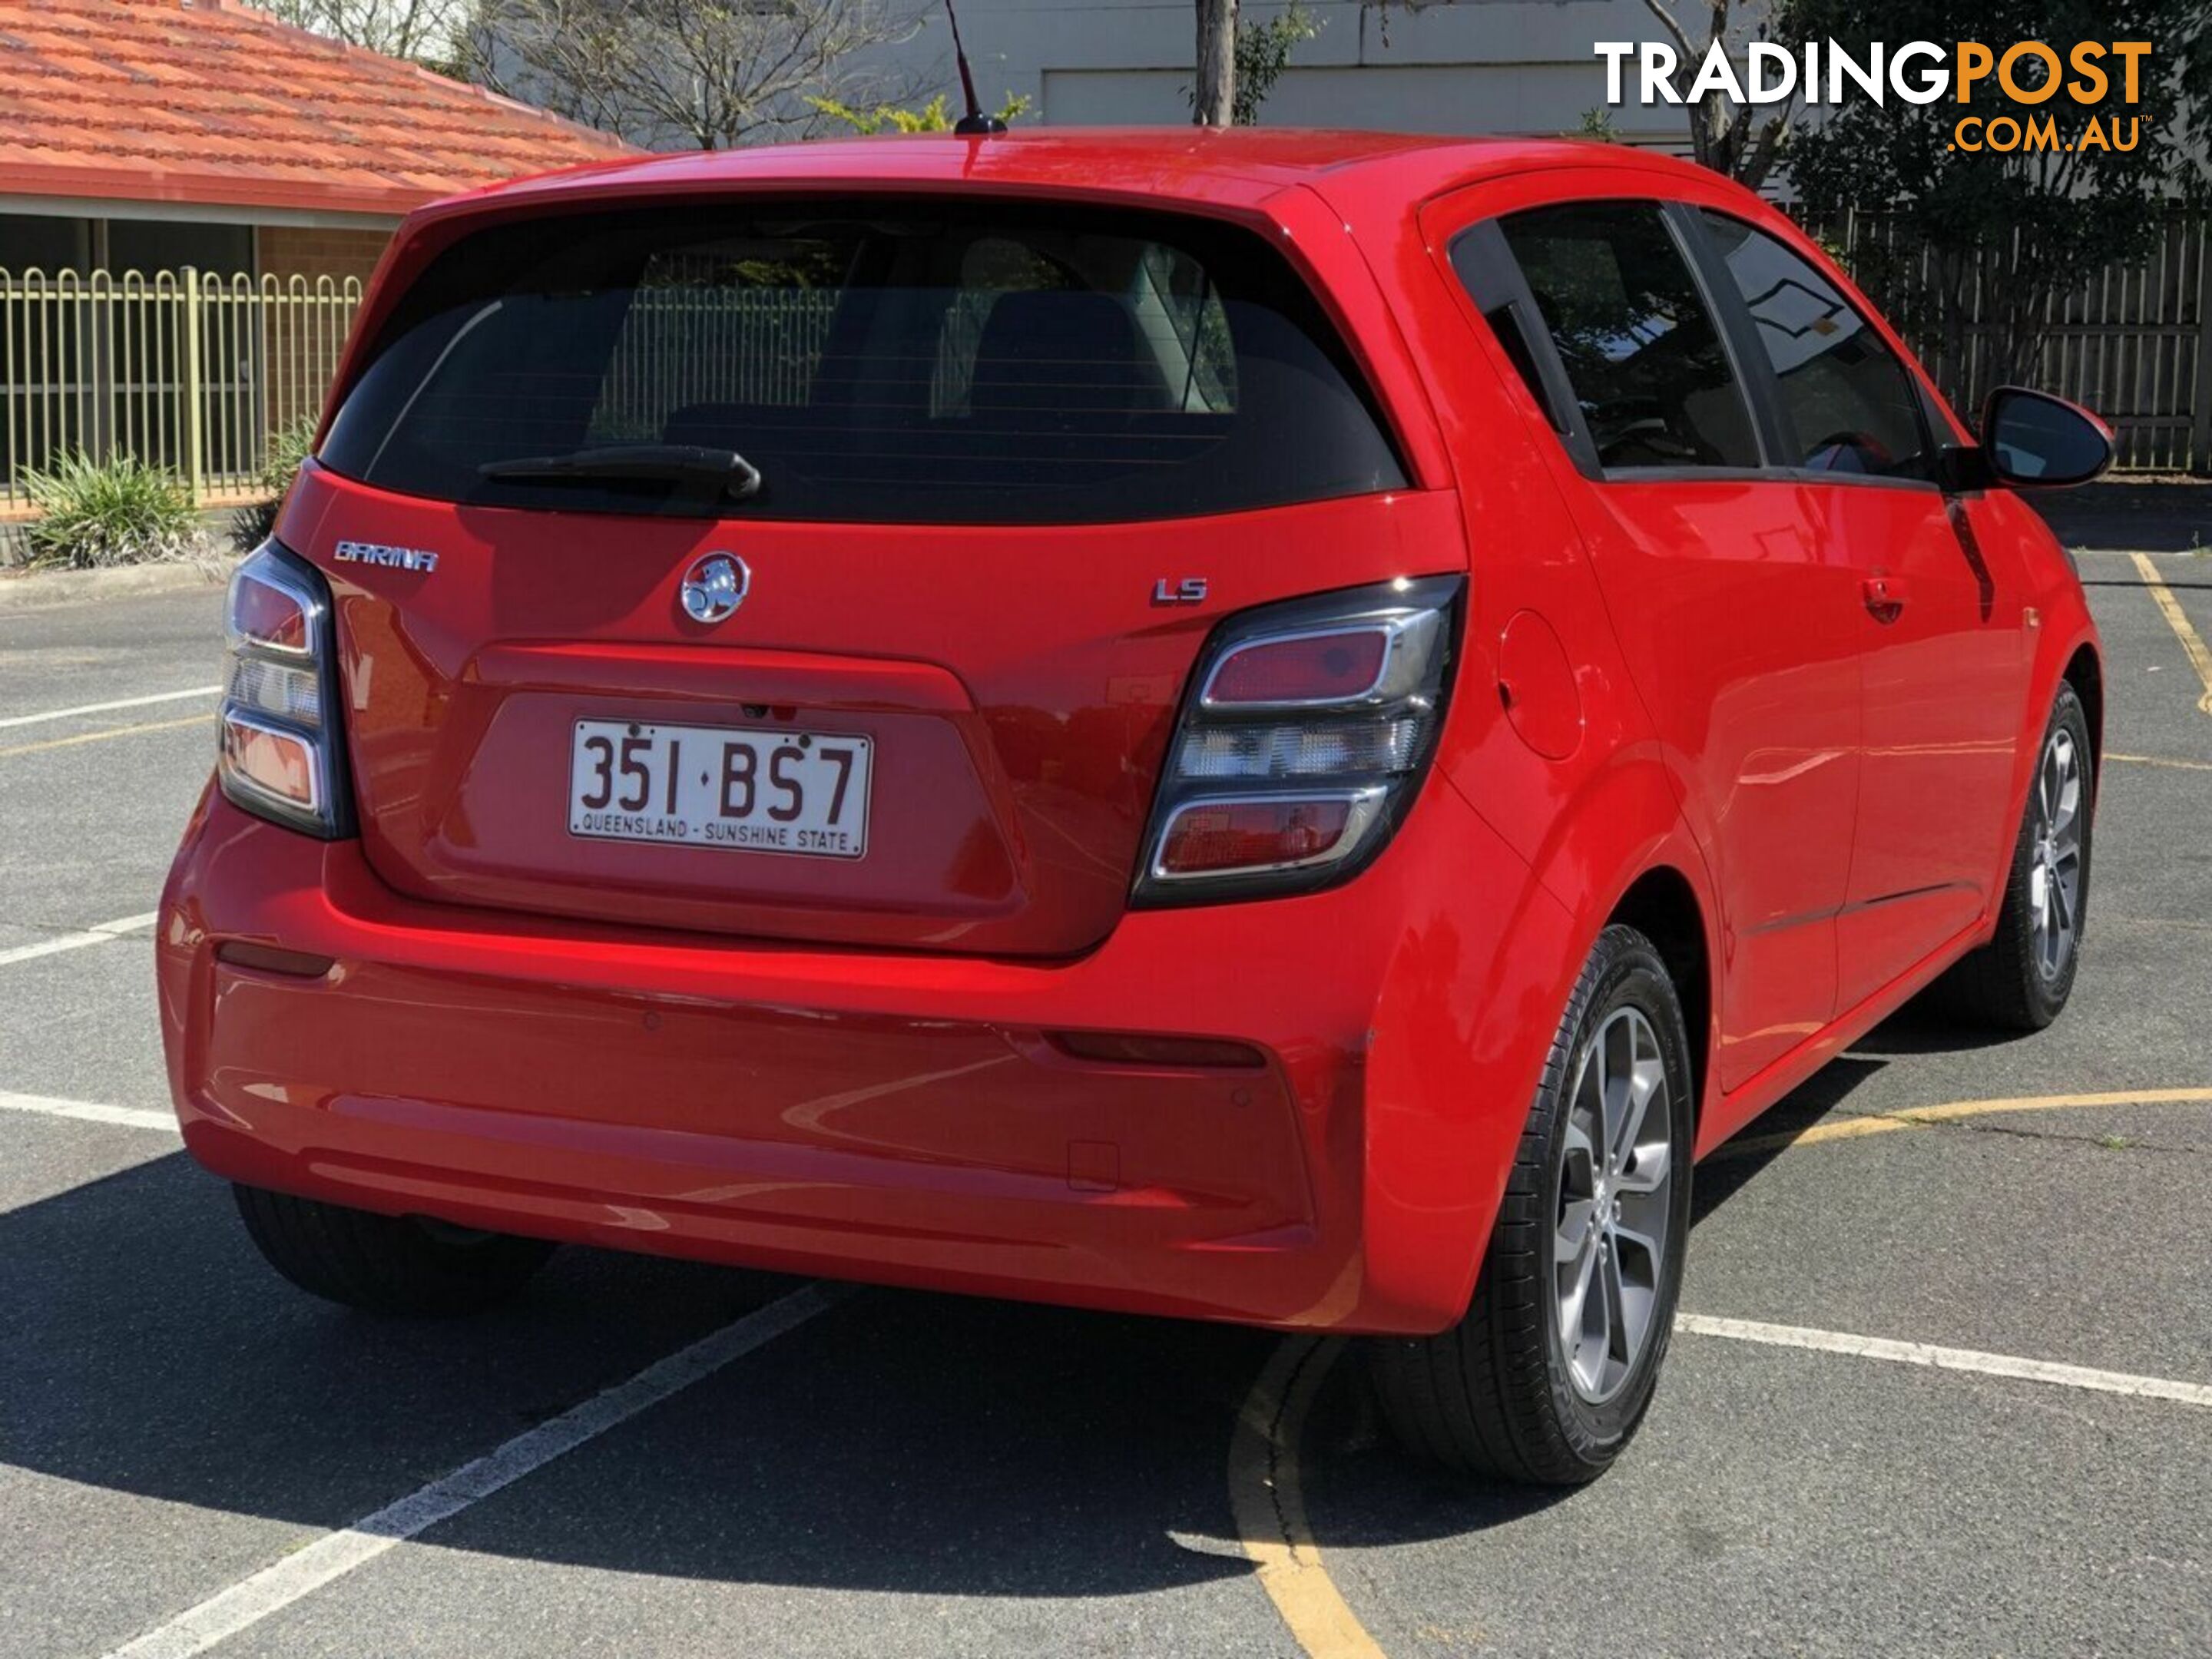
(697, 471)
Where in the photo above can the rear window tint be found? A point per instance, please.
(875, 362)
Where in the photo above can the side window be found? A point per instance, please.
(1641, 350)
(1849, 405)
(1180, 316)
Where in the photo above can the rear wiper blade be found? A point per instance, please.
(695, 469)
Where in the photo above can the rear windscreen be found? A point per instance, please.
(888, 362)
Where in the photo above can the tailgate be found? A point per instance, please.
(1016, 687)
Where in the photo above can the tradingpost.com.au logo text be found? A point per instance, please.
(2086, 76)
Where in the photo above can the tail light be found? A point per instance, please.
(279, 756)
(1302, 742)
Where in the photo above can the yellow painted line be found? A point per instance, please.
(2200, 658)
(2106, 918)
(1925, 1117)
(1269, 1504)
(102, 736)
(2161, 760)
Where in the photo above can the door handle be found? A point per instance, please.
(1884, 595)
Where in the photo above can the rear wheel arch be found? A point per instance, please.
(2085, 672)
(1662, 905)
(1518, 1387)
(1626, 852)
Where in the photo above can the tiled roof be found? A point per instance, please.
(207, 101)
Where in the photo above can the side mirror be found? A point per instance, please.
(2032, 441)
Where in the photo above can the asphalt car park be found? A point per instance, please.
(1944, 1383)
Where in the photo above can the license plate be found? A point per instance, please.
(749, 790)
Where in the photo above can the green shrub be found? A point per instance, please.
(288, 446)
(933, 116)
(116, 511)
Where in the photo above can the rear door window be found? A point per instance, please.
(874, 362)
(1850, 405)
(1642, 351)
(1485, 268)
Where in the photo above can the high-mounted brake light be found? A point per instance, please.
(278, 752)
(1304, 742)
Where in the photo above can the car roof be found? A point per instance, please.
(1234, 166)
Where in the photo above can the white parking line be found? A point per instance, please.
(99, 934)
(105, 707)
(337, 1553)
(86, 1111)
(1948, 1359)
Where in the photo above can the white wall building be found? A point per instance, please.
(1450, 66)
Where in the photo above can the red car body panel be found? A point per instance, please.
(799, 1066)
(888, 1115)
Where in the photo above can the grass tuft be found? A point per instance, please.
(94, 513)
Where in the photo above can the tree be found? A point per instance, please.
(1214, 103)
(1736, 141)
(935, 116)
(424, 31)
(692, 74)
(1263, 52)
(1960, 233)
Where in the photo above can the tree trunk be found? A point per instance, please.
(1213, 102)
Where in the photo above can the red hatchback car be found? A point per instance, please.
(1266, 726)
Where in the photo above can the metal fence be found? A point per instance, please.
(2134, 343)
(184, 370)
(197, 371)
(684, 344)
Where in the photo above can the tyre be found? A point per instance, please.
(2021, 979)
(386, 1264)
(1547, 1376)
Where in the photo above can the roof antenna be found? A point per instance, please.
(974, 124)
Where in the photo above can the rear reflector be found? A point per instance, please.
(1313, 668)
(268, 959)
(1130, 1048)
(1208, 836)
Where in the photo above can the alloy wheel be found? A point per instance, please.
(2054, 878)
(1610, 1234)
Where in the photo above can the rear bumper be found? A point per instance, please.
(894, 1117)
